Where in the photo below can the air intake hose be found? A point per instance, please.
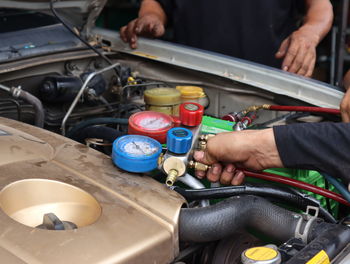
(226, 217)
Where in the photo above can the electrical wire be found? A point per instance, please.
(328, 203)
(340, 187)
(81, 39)
(299, 184)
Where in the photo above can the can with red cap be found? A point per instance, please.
(191, 114)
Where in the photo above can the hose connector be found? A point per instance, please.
(198, 166)
(172, 177)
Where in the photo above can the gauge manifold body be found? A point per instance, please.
(135, 153)
(150, 124)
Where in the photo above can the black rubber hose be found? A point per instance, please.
(224, 218)
(278, 194)
(102, 132)
(38, 107)
(95, 121)
(331, 240)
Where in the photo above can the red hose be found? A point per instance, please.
(299, 184)
(305, 109)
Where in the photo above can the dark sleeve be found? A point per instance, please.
(168, 7)
(318, 146)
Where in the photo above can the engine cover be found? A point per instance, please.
(120, 217)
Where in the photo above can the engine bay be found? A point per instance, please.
(97, 166)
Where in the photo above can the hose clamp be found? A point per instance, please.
(301, 232)
(16, 91)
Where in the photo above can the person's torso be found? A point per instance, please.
(249, 29)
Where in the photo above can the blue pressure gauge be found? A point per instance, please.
(136, 153)
(179, 140)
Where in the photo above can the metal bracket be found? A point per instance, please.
(309, 218)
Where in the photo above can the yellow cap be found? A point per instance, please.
(191, 92)
(261, 253)
(162, 96)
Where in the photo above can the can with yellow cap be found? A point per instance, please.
(193, 94)
(261, 255)
(163, 99)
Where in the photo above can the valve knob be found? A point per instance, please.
(191, 114)
(179, 140)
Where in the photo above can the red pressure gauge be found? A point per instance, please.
(150, 124)
(191, 114)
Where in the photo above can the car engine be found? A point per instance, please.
(96, 159)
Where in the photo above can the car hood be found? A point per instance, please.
(80, 13)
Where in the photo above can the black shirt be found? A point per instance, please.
(247, 29)
(321, 146)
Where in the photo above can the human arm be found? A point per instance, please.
(298, 51)
(318, 146)
(345, 103)
(150, 23)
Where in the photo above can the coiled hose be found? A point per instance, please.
(278, 194)
(224, 218)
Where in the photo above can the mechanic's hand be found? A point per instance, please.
(299, 52)
(345, 103)
(227, 152)
(149, 25)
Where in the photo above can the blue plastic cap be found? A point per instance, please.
(179, 140)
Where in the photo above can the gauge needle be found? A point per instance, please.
(138, 147)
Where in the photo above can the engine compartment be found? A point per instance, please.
(97, 213)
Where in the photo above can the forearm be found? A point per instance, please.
(154, 8)
(321, 146)
(318, 18)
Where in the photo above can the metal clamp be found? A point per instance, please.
(303, 234)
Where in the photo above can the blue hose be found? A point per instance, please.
(338, 185)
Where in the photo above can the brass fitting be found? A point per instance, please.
(198, 166)
(206, 137)
(202, 145)
(171, 178)
(255, 108)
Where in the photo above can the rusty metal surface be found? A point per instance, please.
(138, 223)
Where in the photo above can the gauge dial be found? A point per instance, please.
(151, 124)
(135, 153)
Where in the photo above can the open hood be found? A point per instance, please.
(82, 14)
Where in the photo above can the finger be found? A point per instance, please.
(283, 49)
(214, 172)
(299, 54)
(307, 64)
(140, 24)
(199, 174)
(131, 35)
(227, 174)
(345, 108)
(311, 67)
(204, 157)
(238, 178)
(290, 55)
(129, 30)
(123, 34)
(345, 117)
(158, 30)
